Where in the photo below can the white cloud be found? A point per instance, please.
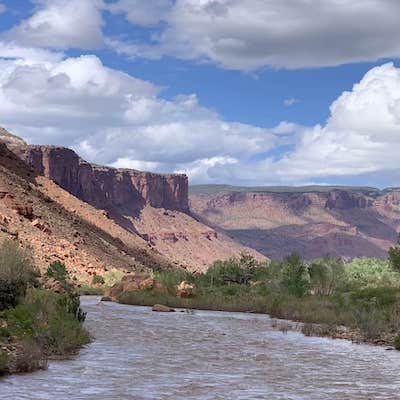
(3, 8)
(201, 170)
(111, 117)
(61, 24)
(290, 102)
(251, 34)
(136, 164)
(28, 55)
(142, 12)
(360, 139)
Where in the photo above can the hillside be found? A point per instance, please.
(314, 221)
(95, 218)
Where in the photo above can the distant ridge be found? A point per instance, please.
(211, 189)
(315, 221)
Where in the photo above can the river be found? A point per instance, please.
(142, 355)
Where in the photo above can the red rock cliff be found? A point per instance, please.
(106, 187)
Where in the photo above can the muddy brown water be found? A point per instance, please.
(142, 355)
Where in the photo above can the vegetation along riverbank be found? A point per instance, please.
(357, 300)
(36, 324)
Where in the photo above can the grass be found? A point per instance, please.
(99, 284)
(3, 362)
(87, 290)
(326, 295)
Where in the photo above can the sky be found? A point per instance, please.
(255, 92)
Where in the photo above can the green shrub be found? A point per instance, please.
(53, 321)
(371, 273)
(375, 297)
(226, 272)
(170, 279)
(16, 274)
(112, 277)
(295, 277)
(397, 342)
(3, 362)
(85, 290)
(98, 280)
(394, 256)
(326, 275)
(58, 271)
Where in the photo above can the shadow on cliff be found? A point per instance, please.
(280, 242)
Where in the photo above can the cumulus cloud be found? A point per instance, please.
(360, 139)
(142, 12)
(235, 34)
(28, 55)
(111, 117)
(251, 34)
(61, 24)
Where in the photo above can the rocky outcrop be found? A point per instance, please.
(135, 282)
(147, 213)
(106, 187)
(185, 290)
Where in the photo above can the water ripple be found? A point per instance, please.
(143, 355)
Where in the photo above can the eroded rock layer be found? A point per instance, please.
(348, 222)
(105, 187)
(145, 215)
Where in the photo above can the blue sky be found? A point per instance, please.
(223, 90)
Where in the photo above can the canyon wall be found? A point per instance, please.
(147, 212)
(106, 187)
(338, 222)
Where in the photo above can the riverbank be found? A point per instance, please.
(44, 325)
(284, 320)
(35, 323)
(358, 301)
(139, 354)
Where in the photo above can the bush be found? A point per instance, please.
(3, 362)
(295, 277)
(57, 271)
(234, 271)
(51, 320)
(112, 277)
(170, 279)
(397, 342)
(326, 275)
(98, 280)
(30, 356)
(16, 274)
(371, 273)
(394, 256)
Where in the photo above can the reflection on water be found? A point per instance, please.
(139, 354)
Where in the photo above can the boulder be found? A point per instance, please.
(185, 290)
(136, 282)
(162, 308)
(106, 298)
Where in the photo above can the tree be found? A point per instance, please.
(295, 277)
(325, 275)
(394, 255)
